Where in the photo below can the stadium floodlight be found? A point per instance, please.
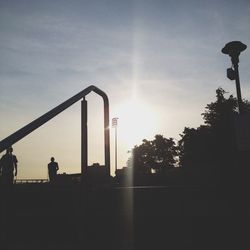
(114, 125)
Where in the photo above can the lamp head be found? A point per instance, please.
(233, 49)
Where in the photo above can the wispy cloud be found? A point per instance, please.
(170, 50)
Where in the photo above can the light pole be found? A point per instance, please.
(114, 125)
(233, 49)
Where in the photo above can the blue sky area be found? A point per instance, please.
(160, 63)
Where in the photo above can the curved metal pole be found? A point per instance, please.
(106, 127)
(21, 133)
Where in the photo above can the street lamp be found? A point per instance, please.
(114, 125)
(233, 49)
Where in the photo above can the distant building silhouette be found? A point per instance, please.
(96, 175)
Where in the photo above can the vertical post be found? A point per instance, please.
(84, 137)
(237, 82)
(84, 164)
(106, 133)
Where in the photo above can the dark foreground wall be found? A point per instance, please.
(41, 216)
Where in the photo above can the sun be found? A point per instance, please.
(137, 121)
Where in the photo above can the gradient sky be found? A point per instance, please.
(160, 63)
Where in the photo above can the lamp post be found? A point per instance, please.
(114, 125)
(233, 49)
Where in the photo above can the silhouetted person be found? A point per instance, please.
(52, 169)
(8, 163)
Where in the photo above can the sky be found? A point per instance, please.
(159, 62)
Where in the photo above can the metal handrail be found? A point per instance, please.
(21, 133)
(25, 181)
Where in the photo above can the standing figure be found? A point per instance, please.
(52, 169)
(8, 163)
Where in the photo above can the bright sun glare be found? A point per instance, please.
(137, 121)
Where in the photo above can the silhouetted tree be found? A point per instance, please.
(165, 152)
(196, 146)
(206, 143)
(211, 148)
(157, 154)
(218, 114)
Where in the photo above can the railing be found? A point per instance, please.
(21, 133)
(26, 181)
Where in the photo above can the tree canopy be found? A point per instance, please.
(211, 149)
(208, 150)
(210, 143)
(158, 154)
